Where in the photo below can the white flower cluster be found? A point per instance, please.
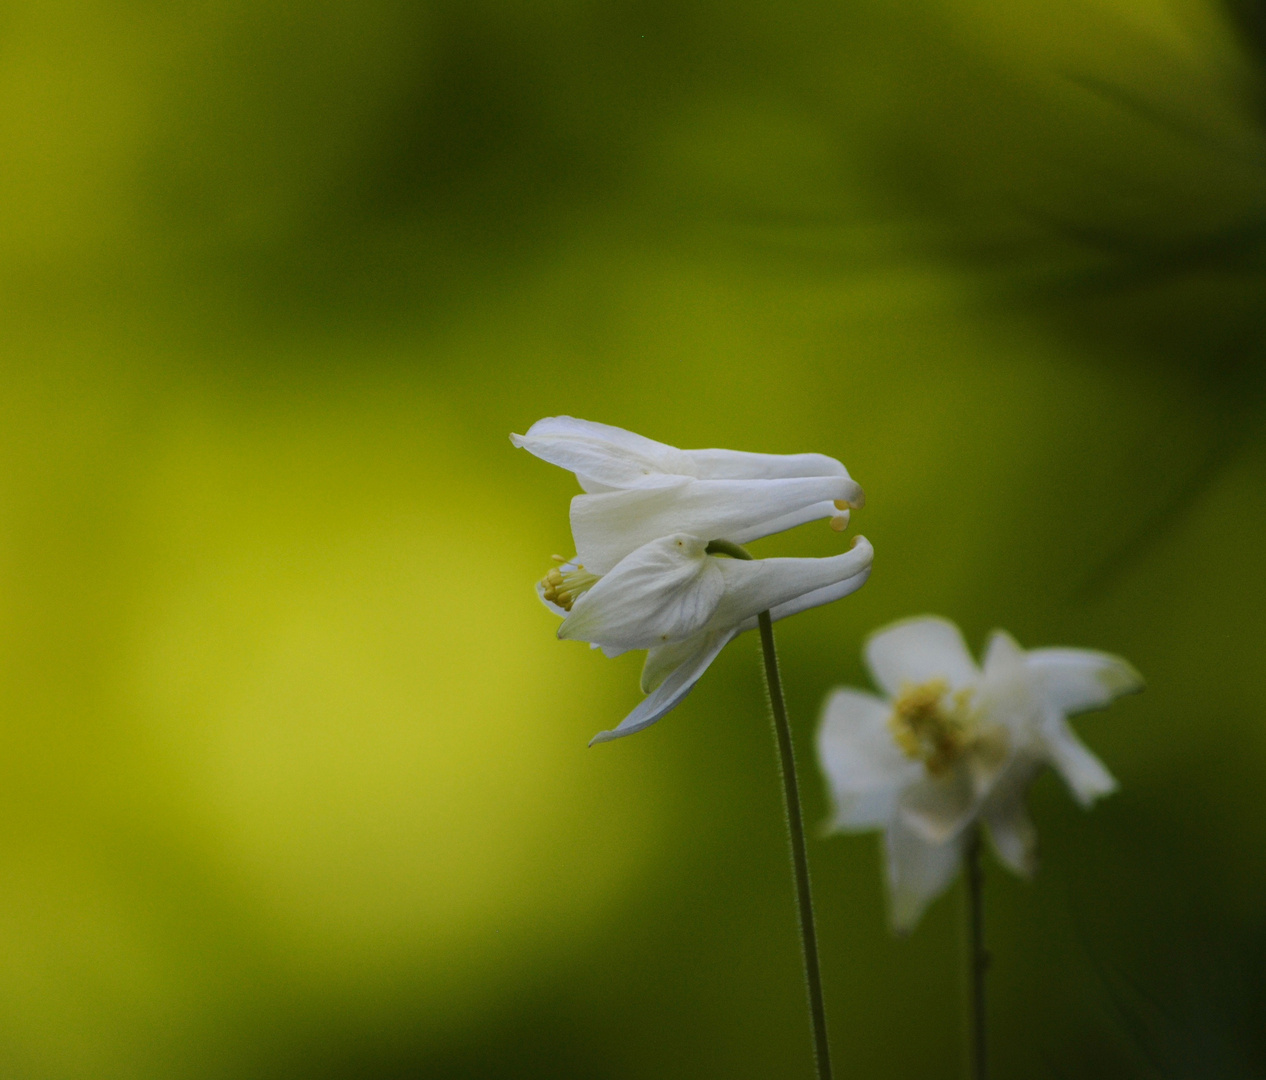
(949, 747)
(643, 577)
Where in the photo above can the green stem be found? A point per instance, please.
(979, 954)
(799, 856)
(795, 826)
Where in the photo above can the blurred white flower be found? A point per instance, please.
(638, 490)
(952, 744)
(684, 605)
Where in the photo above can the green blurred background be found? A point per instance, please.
(295, 775)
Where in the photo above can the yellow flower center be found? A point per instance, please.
(563, 587)
(933, 726)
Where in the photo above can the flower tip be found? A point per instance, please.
(1122, 678)
(900, 928)
(840, 521)
(601, 737)
(517, 440)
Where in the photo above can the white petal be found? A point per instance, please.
(1010, 828)
(864, 768)
(740, 465)
(663, 660)
(917, 650)
(1075, 680)
(601, 456)
(672, 690)
(812, 512)
(1007, 693)
(1086, 776)
(773, 584)
(938, 808)
(664, 591)
(918, 872)
(818, 597)
(828, 593)
(609, 525)
(1002, 652)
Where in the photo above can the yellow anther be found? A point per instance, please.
(840, 522)
(935, 727)
(564, 587)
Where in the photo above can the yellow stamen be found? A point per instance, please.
(936, 727)
(564, 587)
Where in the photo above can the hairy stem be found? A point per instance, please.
(799, 857)
(795, 826)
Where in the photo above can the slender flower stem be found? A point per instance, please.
(799, 857)
(979, 954)
(795, 826)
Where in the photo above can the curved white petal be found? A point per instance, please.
(741, 465)
(1086, 776)
(672, 690)
(602, 457)
(828, 593)
(609, 525)
(664, 591)
(864, 768)
(938, 808)
(1076, 680)
(917, 650)
(918, 872)
(813, 512)
(774, 584)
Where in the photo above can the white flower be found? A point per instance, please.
(952, 744)
(638, 490)
(683, 605)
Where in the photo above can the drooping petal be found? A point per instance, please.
(603, 457)
(1076, 680)
(1014, 839)
(741, 465)
(918, 872)
(609, 525)
(1086, 776)
(663, 660)
(864, 768)
(772, 584)
(665, 591)
(672, 690)
(917, 650)
(938, 808)
(1006, 813)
